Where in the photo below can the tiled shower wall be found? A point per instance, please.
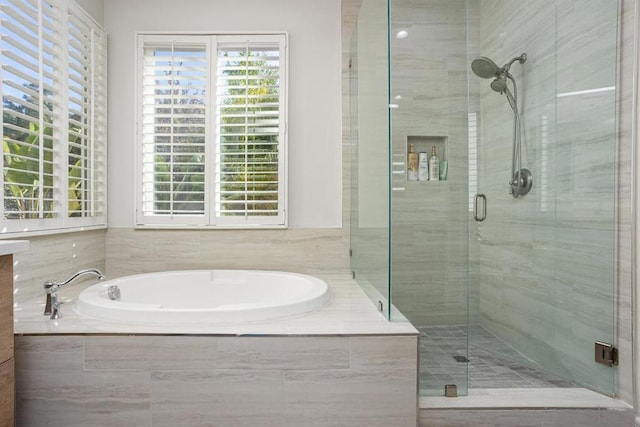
(429, 219)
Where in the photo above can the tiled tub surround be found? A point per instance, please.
(307, 251)
(139, 380)
(342, 364)
(56, 256)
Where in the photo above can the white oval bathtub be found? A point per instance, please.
(204, 296)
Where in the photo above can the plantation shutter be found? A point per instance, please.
(30, 93)
(211, 127)
(174, 117)
(249, 170)
(87, 112)
(53, 63)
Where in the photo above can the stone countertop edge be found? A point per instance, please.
(8, 247)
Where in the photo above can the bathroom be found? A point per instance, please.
(328, 204)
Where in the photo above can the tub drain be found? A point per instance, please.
(114, 293)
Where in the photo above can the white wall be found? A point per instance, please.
(315, 156)
(95, 8)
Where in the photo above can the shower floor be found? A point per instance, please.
(443, 360)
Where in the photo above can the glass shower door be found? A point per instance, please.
(542, 266)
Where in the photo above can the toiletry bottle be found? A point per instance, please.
(423, 167)
(434, 165)
(412, 164)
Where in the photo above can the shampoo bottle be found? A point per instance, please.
(434, 165)
(423, 167)
(412, 164)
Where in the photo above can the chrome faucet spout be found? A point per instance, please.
(51, 287)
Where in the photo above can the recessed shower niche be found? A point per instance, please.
(424, 144)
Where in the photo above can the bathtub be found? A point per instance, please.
(203, 296)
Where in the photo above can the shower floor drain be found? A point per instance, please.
(461, 359)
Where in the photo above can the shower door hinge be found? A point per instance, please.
(606, 354)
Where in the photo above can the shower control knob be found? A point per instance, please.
(521, 183)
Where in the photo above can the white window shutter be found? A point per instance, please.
(231, 173)
(53, 67)
(31, 93)
(173, 131)
(250, 131)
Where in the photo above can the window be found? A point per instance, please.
(53, 67)
(211, 131)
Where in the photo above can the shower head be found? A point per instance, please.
(499, 84)
(485, 68)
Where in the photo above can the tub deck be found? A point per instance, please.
(349, 312)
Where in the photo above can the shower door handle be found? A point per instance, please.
(483, 216)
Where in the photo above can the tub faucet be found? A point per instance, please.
(52, 306)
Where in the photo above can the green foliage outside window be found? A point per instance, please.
(23, 184)
(249, 153)
(248, 147)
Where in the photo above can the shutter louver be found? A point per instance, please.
(174, 128)
(249, 132)
(30, 103)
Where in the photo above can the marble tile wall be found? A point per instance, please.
(120, 252)
(208, 380)
(56, 256)
(311, 251)
(429, 219)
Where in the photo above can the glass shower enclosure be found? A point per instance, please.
(505, 291)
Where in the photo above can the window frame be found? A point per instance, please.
(209, 219)
(94, 202)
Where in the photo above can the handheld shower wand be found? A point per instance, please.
(521, 178)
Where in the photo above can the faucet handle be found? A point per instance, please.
(47, 305)
(50, 287)
(55, 306)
